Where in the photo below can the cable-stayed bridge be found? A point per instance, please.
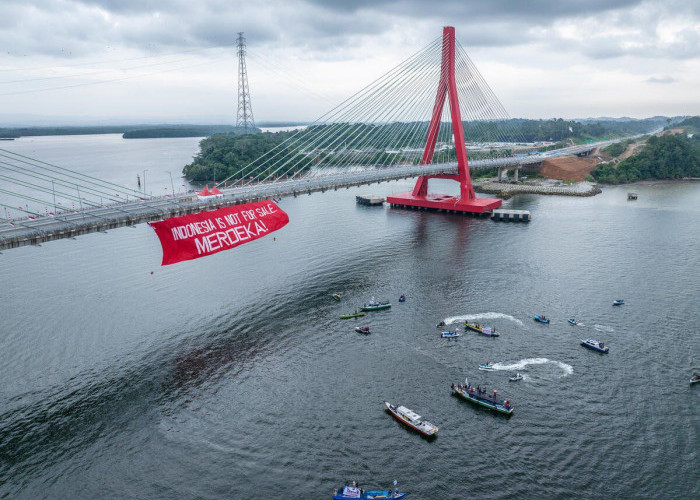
(379, 134)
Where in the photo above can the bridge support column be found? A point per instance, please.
(515, 173)
(500, 174)
(467, 201)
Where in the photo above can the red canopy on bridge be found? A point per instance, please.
(215, 190)
(205, 192)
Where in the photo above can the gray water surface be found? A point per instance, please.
(232, 377)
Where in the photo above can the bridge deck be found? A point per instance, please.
(72, 223)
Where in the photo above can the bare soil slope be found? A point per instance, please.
(572, 168)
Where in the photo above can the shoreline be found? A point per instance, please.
(506, 190)
(553, 187)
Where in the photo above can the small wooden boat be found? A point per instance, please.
(411, 419)
(337, 296)
(541, 319)
(484, 330)
(618, 302)
(695, 378)
(480, 397)
(375, 306)
(402, 298)
(572, 321)
(352, 315)
(486, 366)
(595, 345)
(362, 329)
(353, 492)
(515, 377)
(450, 335)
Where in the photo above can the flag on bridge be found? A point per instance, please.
(206, 233)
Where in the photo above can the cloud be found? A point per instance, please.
(335, 47)
(84, 26)
(661, 79)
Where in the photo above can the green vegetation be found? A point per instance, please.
(690, 125)
(617, 149)
(224, 155)
(665, 157)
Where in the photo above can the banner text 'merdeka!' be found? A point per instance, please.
(193, 236)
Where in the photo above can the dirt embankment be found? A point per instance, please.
(673, 131)
(632, 149)
(572, 168)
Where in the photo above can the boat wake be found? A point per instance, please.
(603, 328)
(480, 316)
(519, 365)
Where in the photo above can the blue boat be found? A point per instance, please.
(573, 321)
(541, 319)
(618, 302)
(595, 345)
(402, 298)
(450, 335)
(353, 491)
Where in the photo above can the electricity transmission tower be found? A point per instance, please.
(245, 109)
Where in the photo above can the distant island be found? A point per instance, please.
(185, 131)
(127, 131)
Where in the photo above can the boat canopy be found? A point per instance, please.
(351, 492)
(408, 413)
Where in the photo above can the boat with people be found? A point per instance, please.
(572, 321)
(618, 302)
(481, 397)
(373, 305)
(354, 491)
(441, 324)
(362, 329)
(541, 318)
(337, 296)
(450, 335)
(411, 419)
(695, 378)
(486, 366)
(356, 314)
(515, 377)
(402, 298)
(484, 330)
(595, 345)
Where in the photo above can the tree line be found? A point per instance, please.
(665, 157)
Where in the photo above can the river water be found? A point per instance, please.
(232, 376)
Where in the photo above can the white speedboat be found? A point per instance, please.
(411, 419)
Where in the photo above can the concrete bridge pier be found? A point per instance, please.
(516, 173)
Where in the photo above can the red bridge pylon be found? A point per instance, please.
(467, 202)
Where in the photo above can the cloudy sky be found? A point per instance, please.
(106, 61)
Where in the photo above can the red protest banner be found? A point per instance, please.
(197, 235)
